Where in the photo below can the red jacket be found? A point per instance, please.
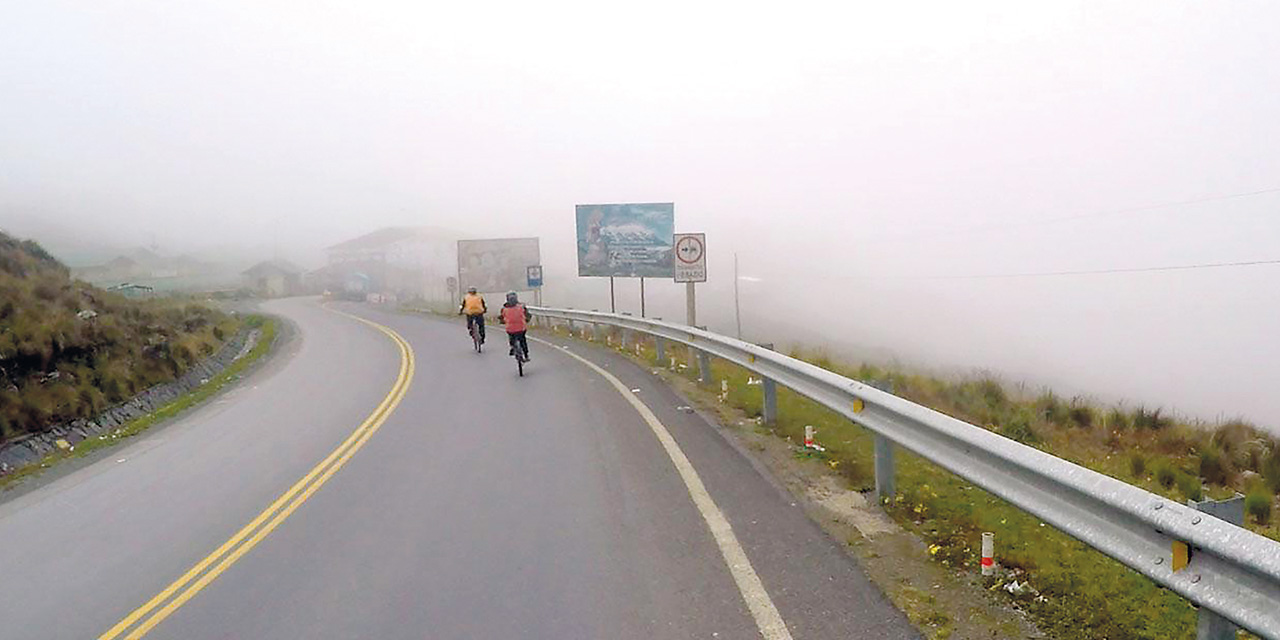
(515, 316)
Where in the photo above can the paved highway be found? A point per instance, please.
(363, 487)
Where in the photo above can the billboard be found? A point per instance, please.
(497, 265)
(626, 240)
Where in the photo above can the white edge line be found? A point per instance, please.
(766, 615)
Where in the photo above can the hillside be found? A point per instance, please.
(69, 350)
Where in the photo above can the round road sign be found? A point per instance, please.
(689, 250)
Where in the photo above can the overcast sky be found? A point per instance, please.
(866, 160)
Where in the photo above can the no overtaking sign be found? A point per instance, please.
(691, 257)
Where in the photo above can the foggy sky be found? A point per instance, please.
(863, 160)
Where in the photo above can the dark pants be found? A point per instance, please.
(478, 320)
(518, 337)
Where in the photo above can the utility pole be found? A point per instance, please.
(613, 305)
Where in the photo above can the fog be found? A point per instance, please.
(953, 186)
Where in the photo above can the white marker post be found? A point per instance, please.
(988, 554)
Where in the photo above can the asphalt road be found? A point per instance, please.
(484, 506)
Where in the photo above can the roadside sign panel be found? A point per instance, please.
(496, 265)
(534, 276)
(690, 257)
(625, 240)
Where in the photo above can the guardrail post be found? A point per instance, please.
(770, 401)
(570, 328)
(704, 367)
(660, 350)
(885, 489)
(770, 389)
(1209, 625)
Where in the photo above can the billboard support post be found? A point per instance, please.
(613, 305)
(642, 296)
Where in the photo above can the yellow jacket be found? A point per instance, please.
(473, 305)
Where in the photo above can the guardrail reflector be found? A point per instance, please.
(1181, 555)
(858, 405)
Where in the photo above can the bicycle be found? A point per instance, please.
(475, 336)
(521, 357)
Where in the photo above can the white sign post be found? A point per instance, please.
(690, 266)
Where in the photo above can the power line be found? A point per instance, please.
(1093, 272)
(1153, 207)
(1004, 226)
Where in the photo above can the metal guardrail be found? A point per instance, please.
(1231, 571)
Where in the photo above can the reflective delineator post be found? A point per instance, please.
(988, 554)
(808, 436)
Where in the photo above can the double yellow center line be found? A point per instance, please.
(146, 617)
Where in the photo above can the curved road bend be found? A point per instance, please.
(485, 506)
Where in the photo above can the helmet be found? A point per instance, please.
(511, 296)
(471, 289)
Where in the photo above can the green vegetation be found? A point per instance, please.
(69, 350)
(138, 425)
(1076, 593)
(1258, 505)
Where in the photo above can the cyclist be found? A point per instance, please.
(515, 317)
(474, 308)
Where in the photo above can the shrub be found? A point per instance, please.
(1271, 467)
(1166, 475)
(1144, 419)
(1190, 486)
(1137, 464)
(1214, 467)
(992, 392)
(1118, 420)
(1018, 427)
(1258, 505)
(1081, 415)
(1052, 408)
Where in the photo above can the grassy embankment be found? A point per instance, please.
(69, 350)
(138, 425)
(1078, 593)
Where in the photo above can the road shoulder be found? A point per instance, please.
(940, 603)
